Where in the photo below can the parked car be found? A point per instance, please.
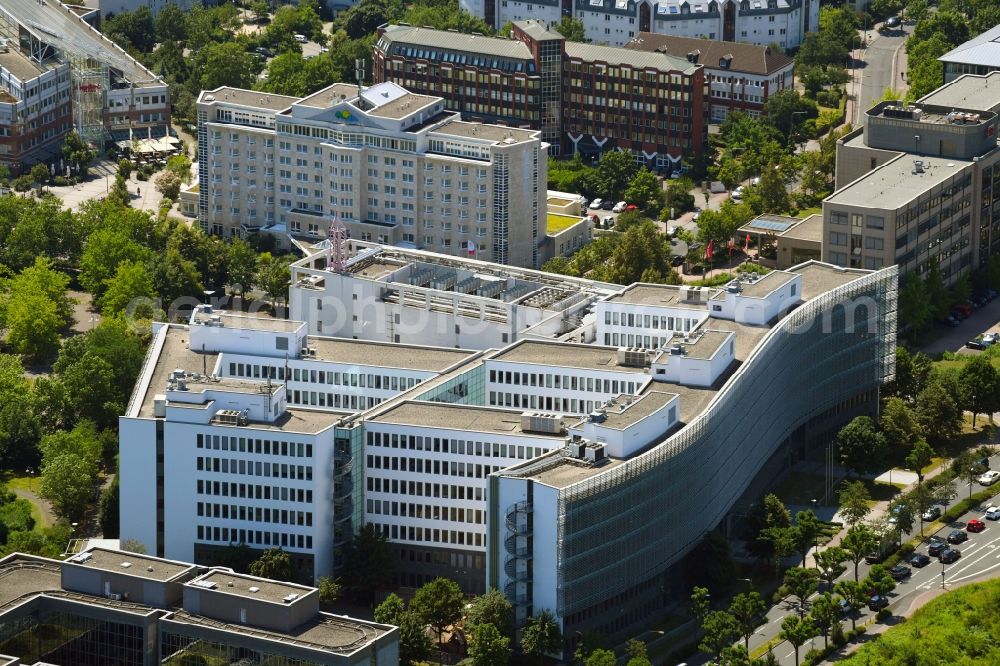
(992, 513)
(607, 205)
(989, 478)
(990, 338)
(964, 308)
(737, 193)
(949, 555)
(893, 22)
(877, 557)
(900, 572)
(957, 536)
(697, 214)
(619, 207)
(596, 204)
(975, 525)
(935, 546)
(976, 344)
(932, 513)
(919, 560)
(301, 39)
(676, 260)
(877, 602)
(608, 222)
(845, 608)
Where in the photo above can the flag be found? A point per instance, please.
(746, 246)
(708, 251)
(730, 248)
(471, 247)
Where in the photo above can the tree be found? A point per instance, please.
(82, 441)
(225, 64)
(797, 631)
(823, 615)
(133, 546)
(859, 541)
(776, 514)
(779, 110)
(169, 185)
(901, 511)
(260, 9)
(919, 458)
(807, 528)
(414, 645)
(800, 583)
(937, 293)
(446, 15)
(921, 499)
(170, 24)
(438, 603)
(636, 649)
(914, 306)
(916, 10)
(174, 277)
(678, 198)
(33, 325)
(601, 657)
(855, 595)
(368, 565)
(937, 412)
(771, 191)
(109, 514)
(720, 629)
(491, 608)
(68, 482)
(830, 563)
(899, 425)
(879, 580)
(131, 281)
(77, 153)
(242, 267)
(964, 466)
(748, 610)
(274, 563)
(133, 29)
(644, 190)
(614, 173)
(329, 589)
(700, 603)
(273, 276)
(855, 501)
(488, 647)
(861, 446)
(541, 635)
(977, 387)
(40, 175)
(391, 610)
(571, 28)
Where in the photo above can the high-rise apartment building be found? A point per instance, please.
(919, 184)
(615, 22)
(393, 166)
(584, 98)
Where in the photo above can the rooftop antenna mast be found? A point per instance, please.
(359, 74)
(337, 252)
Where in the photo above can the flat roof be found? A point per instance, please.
(251, 98)
(174, 354)
(245, 321)
(617, 56)
(457, 417)
(565, 355)
(456, 41)
(809, 229)
(627, 410)
(766, 284)
(485, 132)
(403, 106)
(387, 354)
(707, 344)
(327, 97)
(237, 584)
(141, 566)
(892, 185)
(375, 269)
(819, 278)
(566, 471)
(22, 577)
(18, 65)
(663, 295)
(969, 91)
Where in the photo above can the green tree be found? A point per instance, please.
(830, 562)
(273, 276)
(678, 198)
(329, 589)
(261, 10)
(899, 425)
(807, 528)
(937, 293)
(274, 563)
(105, 249)
(700, 603)
(133, 30)
(855, 594)
(571, 28)
(68, 482)
(776, 514)
(901, 510)
(83, 441)
(40, 279)
(859, 541)
(919, 458)
(880, 580)
(977, 387)
(614, 173)
(391, 610)
(109, 515)
(438, 603)
(855, 501)
(40, 175)
(772, 191)
(77, 153)
(797, 631)
(541, 636)
(644, 190)
(601, 657)
(131, 281)
(748, 610)
(916, 10)
(823, 615)
(921, 500)
(33, 324)
(169, 185)
(861, 446)
(786, 110)
(170, 24)
(488, 647)
(800, 583)
(414, 645)
(242, 267)
(938, 413)
(491, 608)
(368, 564)
(225, 64)
(965, 469)
(912, 373)
(446, 15)
(719, 630)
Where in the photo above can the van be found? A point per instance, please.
(301, 39)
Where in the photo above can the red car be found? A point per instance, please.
(975, 525)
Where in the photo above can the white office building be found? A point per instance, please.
(394, 167)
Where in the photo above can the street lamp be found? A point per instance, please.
(30, 471)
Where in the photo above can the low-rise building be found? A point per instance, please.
(740, 76)
(104, 606)
(980, 55)
(783, 242)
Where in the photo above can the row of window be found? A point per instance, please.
(547, 403)
(432, 535)
(436, 467)
(254, 468)
(377, 484)
(454, 514)
(254, 537)
(254, 491)
(334, 400)
(455, 446)
(654, 322)
(265, 447)
(256, 514)
(571, 382)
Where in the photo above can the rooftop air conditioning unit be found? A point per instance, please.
(595, 453)
(538, 422)
(632, 357)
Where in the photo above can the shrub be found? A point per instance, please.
(814, 656)
(883, 614)
(60, 181)
(22, 183)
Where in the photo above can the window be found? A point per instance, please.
(837, 238)
(876, 222)
(838, 217)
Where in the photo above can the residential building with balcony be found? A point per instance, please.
(392, 166)
(584, 98)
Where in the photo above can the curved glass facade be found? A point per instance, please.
(629, 524)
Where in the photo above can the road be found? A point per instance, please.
(878, 69)
(953, 339)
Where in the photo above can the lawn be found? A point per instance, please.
(806, 212)
(24, 483)
(556, 222)
(960, 627)
(559, 202)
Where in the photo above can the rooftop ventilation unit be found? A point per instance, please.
(632, 357)
(82, 558)
(126, 565)
(597, 416)
(289, 598)
(918, 166)
(577, 449)
(539, 422)
(677, 350)
(595, 453)
(254, 589)
(205, 584)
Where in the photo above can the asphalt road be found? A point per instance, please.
(878, 67)
(983, 320)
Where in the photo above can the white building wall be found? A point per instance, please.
(557, 389)
(545, 525)
(137, 460)
(250, 341)
(622, 443)
(631, 325)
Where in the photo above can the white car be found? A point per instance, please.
(301, 39)
(619, 207)
(992, 513)
(596, 203)
(989, 478)
(990, 338)
(737, 193)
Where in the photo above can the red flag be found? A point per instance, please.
(730, 248)
(746, 246)
(708, 251)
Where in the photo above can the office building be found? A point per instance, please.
(615, 22)
(783, 242)
(57, 73)
(393, 167)
(740, 77)
(101, 607)
(980, 55)
(584, 98)
(916, 184)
